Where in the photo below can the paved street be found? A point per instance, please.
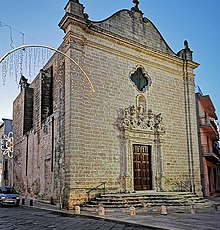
(45, 216)
(26, 218)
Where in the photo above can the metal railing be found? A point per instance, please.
(213, 123)
(183, 187)
(98, 190)
(179, 186)
(208, 121)
(206, 149)
(216, 149)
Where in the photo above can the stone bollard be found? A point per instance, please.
(132, 211)
(192, 209)
(77, 210)
(163, 210)
(101, 211)
(23, 201)
(31, 202)
(146, 205)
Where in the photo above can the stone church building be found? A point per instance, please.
(135, 131)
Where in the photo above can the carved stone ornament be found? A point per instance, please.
(140, 79)
(137, 119)
(135, 8)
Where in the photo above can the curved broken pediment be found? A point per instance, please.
(133, 26)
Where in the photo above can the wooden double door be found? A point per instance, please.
(142, 167)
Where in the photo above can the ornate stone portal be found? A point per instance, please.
(138, 119)
(140, 127)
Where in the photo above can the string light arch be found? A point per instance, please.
(13, 62)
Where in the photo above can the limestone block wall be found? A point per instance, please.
(78, 145)
(39, 152)
(19, 141)
(94, 141)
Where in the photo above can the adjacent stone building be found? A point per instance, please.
(137, 131)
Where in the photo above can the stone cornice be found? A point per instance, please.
(140, 60)
(138, 47)
(70, 19)
(139, 134)
(140, 137)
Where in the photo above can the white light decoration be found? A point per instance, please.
(7, 144)
(29, 59)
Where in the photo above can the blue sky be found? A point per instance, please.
(198, 21)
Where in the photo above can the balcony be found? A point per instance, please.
(212, 153)
(209, 126)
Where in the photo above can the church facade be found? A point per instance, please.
(136, 130)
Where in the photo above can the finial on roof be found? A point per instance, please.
(186, 45)
(135, 8)
(136, 3)
(185, 53)
(23, 83)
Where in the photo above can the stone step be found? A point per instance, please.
(140, 198)
(124, 205)
(146, 199)
(151, 194)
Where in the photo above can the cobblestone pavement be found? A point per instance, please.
(26, 218)
(175, 221)
(178, 218)
(45, 216)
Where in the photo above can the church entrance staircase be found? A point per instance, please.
(146, 199)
